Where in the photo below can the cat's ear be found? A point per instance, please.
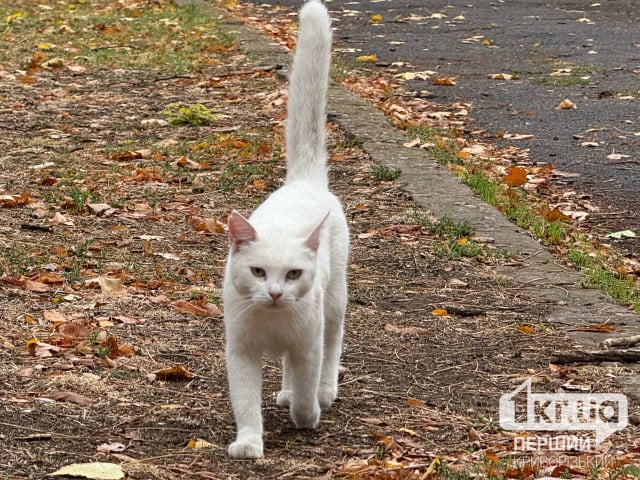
(313, 239)
(240, 230)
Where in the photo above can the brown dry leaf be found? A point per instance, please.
(126, 156)
(185, 307)
(516, 177)
(60, 219)
(474, 435)
(177, 372)
(147, 175)
(108, 285)
(208, 225)
(501, 76)
(445, 81)
(566, 104)
(598, 327)
(390, 327)
(115, 350)
(50, 278)
(71, 397)
(54, 316)
(517, 136)
(414, 402)
(36, 287)
(556, 215)
(73, 330)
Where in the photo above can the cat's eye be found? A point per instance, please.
(258, 272)
(294, 274)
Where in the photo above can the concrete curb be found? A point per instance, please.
(539, 279)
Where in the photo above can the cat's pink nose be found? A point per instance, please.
(275, 295)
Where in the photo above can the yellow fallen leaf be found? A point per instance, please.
(198, 444)
(367, 58)
(44, 46)
(377, 18)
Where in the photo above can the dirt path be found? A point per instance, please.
(111, 255)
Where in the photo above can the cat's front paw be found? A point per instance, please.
(327, 395)
(250, 447)
(306, 417)
(284, 398)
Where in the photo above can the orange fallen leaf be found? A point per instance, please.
(185, 307)
(177, 372)
(439, 312)
(527, 329)
(414, 402)
(598, 327)
(444, 81)
(516, 176)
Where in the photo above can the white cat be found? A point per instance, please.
(285, 289)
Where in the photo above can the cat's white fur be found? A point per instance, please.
(285, 290)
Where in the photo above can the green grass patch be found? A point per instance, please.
(455, 240)
(155, 36)
(620, 286)
(382, 173)
(195, 115)
(442, 144)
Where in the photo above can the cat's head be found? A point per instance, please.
(272, 267)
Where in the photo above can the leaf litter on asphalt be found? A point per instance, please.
(113, 246)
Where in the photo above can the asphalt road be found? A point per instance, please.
(596, 43)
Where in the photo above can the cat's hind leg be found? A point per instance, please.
(335, 308)
(284, 395)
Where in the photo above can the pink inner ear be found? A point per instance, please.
(313, 240)
(240, 230)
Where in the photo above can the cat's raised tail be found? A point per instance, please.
(305, 130)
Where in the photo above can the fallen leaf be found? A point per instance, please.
(502, 76)
(439, 312)
(566, 104)
(71, 397)
(621, 234)
(177, 372)
(617, 156)
(111, 447)
(390, 327)
(185, 307)
(517, 136)
(108, 285)
(414, 402)
(444, 81)
(367, 58)
(36, 287)
(516, 177)
(199, 444)
(92, 471)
